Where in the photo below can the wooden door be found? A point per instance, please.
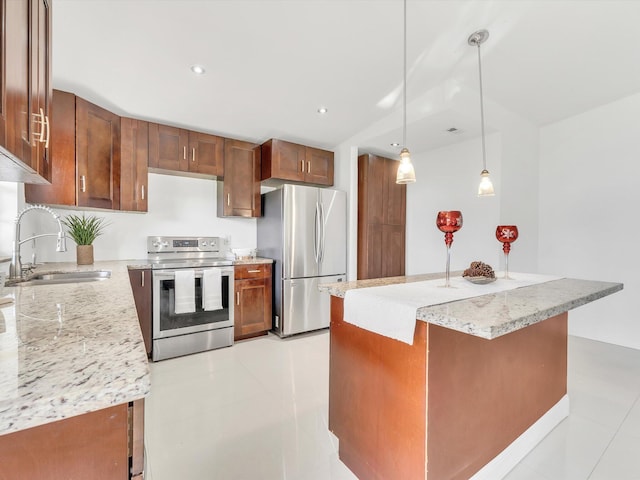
(168, 147)
(381, 218)
(41, 90)
(16, 79)
(134, 160)
(319, 166)
(241, 187)
(283, 160)
(253, 307)
(206, 154)
(62, 190)
(97, 156)
(141, 287)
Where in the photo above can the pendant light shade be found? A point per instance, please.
(406, 173)
(485, 189)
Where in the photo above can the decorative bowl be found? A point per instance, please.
(480, 280)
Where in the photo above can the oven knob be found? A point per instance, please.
(204, 244)
(165, 244)
(156, 244)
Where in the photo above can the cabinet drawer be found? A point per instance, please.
(258, 270)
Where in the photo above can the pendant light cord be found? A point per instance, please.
(404, 86)
(484, 152)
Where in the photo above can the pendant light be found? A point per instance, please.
(406, 173)
(485, 189)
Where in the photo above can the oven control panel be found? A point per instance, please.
(185, 244)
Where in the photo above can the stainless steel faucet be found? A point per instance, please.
(15, 269)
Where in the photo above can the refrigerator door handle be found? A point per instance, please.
(321, 255)
(316, 234)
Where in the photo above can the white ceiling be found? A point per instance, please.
(271, 63)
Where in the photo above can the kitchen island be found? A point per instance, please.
(73, 377)
(483, 380)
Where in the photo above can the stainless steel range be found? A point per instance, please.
(192, 295)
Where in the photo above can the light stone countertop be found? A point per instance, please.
(69, 349)
(493, 315)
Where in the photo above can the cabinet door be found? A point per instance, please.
(97, 156)
(141, 287)
(206, 154)
(62, 190)
(318, 166)
(283, 160)
(16, 79)
(168, 147)
(241, 187)
(41, 90)
(134, 160)
(253, 307)
(394, 196)
(392, 251)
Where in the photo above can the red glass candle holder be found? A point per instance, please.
(449, 222)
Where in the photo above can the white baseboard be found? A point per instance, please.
(504, 462)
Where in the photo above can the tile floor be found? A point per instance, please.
(258, 411)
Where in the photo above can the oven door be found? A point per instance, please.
(167, 323)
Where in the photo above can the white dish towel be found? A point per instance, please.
(212, 289)
(185, 298)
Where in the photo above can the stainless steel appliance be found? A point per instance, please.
(304, 229)
(176, 334)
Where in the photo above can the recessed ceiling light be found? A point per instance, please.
(452, 130)
(322, 110)
(395, 144)
(198, 69)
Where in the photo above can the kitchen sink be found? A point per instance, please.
(66, 277)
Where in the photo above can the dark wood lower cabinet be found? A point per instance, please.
(141, 287)
(253, 307)
(107, 444)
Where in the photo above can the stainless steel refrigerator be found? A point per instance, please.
(304, 229)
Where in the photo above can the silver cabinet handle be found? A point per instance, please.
(237, 298)
(309, 167)
(83, 182)
(228, 199)
(253, 271)
(142, 188)
(302, 166)
(142, 283)
(193, 154)
(46, 124)
(184, 152)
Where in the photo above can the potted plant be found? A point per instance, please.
(84, 230)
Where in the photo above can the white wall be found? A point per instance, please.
(177, 206)
(589, 171)
(447, 179)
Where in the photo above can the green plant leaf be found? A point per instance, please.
(84, 230)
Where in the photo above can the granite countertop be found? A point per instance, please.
(69, 349)
(492, 315)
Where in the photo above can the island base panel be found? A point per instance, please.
(377, 395)
(483, 394)
(90, 446)
(479, 395)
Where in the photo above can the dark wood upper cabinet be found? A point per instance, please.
(134, 164)
(97, 156)
(180, 150)
(25, 90)
(296, 163)
(239, 193)
(168, 147)
(381, 218)
(206, 154)
(85, 152)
